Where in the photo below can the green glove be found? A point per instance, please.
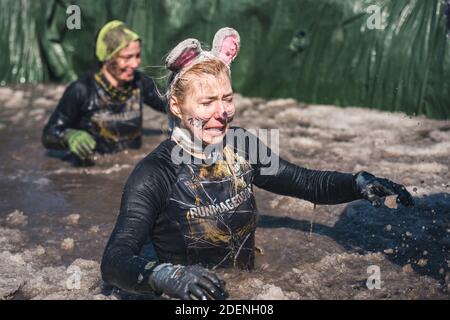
(80, 142)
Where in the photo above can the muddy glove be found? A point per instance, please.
(187, 282)
(373, 189)
(80, 142)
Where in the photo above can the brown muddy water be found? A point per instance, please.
(56, 218)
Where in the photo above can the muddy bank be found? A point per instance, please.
(56, 218)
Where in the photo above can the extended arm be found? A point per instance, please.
(320, 187)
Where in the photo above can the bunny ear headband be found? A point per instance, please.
(226, 45)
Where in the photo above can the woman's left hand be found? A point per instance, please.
(373, 189)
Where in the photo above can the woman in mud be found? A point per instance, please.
(192, 197)
(102, 111)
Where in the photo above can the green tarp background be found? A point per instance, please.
(317, 51)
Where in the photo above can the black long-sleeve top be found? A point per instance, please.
(197, 213)
(114, 123)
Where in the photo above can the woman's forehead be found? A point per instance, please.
(133, 48)
(210, 85)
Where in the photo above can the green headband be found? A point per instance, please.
(113, 37)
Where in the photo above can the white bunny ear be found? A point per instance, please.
(183, 54)
(226, 45)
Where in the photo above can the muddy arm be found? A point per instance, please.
(66, 115)
(279, 176)
(331, 187)
(143, 198)
(320, 187)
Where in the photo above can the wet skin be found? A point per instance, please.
(208, 108)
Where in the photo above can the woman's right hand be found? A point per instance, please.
(188, 282)
(80, 142)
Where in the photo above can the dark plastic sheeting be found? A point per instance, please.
(314, 51)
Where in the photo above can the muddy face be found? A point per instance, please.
(125, 63)
(208, 108)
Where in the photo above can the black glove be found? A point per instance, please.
(187, 282)
(372, 188)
